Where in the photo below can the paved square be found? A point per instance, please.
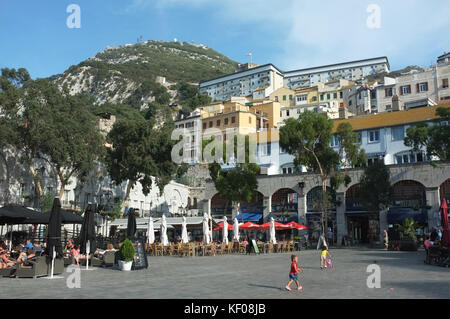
(403, 275)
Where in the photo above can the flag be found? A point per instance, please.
(249, 54)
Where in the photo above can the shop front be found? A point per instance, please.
(363, 228)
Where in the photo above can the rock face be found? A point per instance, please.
(129, 73)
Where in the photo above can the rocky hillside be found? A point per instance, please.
(128, 74)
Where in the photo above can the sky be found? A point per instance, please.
(291, 34)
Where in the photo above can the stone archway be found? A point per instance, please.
(409, 193)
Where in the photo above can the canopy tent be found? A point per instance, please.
(235, 229)
(164, 239)
(17, 214)
(225, 231)
(150, 231)
(184, 233)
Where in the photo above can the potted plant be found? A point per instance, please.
(127, 252)
(408, 229)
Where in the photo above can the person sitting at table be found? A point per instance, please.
(75, 252)
(28, 244)
(5, 261)
(69, 245)
(25, 255)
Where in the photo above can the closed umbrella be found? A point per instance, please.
(444, 221)
(225, 230)
(87, 233)
(54, 245)
(150, 231)
(184, 234)
(272, 231)
(164, 239)
(206, 238)
(131, 224)
(236, 230)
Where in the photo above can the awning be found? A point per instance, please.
(249, 217)
(396, 215)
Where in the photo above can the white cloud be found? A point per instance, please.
(312, 33)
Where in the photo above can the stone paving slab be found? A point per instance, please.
(403, 275)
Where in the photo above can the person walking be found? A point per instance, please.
(293, 274)
(323, 257)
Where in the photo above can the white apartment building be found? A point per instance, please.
(263, 79)
(401, 93)
(353, 71)
(191, 126)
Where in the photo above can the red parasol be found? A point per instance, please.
(278, 226)
(296, 226)
(250, 225)
(220, 227)
(444, 221)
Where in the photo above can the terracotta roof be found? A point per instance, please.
(386, 119)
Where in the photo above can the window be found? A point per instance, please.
(408, 157)
(287, 112)
(374, 136)
(284, 97)
(314, 98)
(405, 89)
(218, 123)
(302, 98)
(328, 96)
(204, 126)
(233, 120)
(276, 98)
(388, 92)
(225, 121)
(210, 123)
(422, 87)
(321, 97)
(444, 83)
(290, 97)
(358, 137)
(193, 138)
(398, 133)
(299, 111)
(249, 120)
(334, 141)
(388, 106)
(335, 95)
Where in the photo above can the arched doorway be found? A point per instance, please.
(363, 226)
(409, 194)
(314, 213)
(285, 205)
(252, 210)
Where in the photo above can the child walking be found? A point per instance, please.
(323, 257)
(293, 274)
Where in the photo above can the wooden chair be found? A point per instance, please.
(177, 249)
(242, 248)
(284, 247)
(188, 249)
(158, 249)
(270, 247)
(209, 250)
(230, 248)
(291, 246)
(221, 249)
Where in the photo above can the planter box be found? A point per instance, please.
(125, 266)
(408, 245)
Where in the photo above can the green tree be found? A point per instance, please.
(60, 130)
(435, 138)
(140, 152)
(237, 184)
(409, 228)
(375, 187)
(308, 139)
